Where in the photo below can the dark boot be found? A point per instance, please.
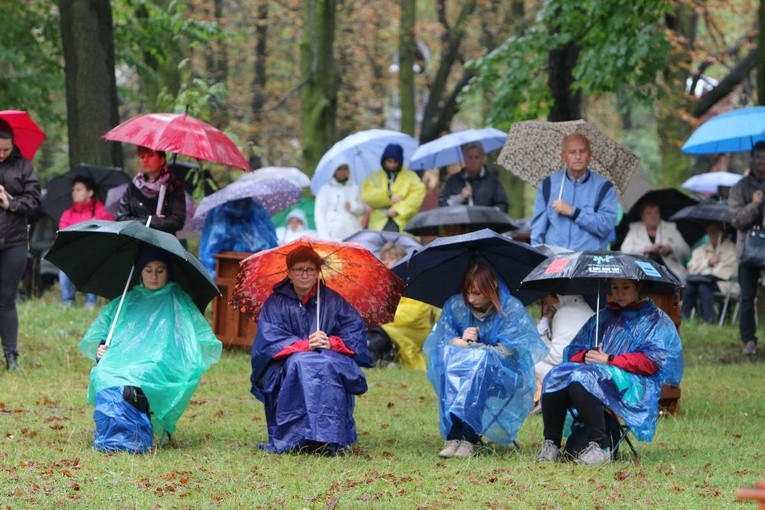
(11, 361)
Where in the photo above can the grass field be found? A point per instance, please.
(698, 459)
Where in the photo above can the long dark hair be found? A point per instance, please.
(482, 278)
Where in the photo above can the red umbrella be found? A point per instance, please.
(27, 135)
(181, 134)
(348, 268)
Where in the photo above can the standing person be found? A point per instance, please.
(640, 349)
(481, 357)
(84, 208)
(306, 370)
(575, 208)
(657, 239)
(19, 199)
(710, 270)
(745, 203)
(142, 195)
(474, 184)
(394, 193)
(338, 206)
(144, 380)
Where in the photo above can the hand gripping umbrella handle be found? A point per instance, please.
(122, 299)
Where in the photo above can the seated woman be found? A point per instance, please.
(640, 350)
(306, 374)
(481, 357)
(145, 378)
(657, 239)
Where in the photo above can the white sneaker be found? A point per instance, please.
(750, 349)
(464, 450)
(450, 447)
(594, 455)
(549, 452)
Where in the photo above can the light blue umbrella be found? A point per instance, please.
(447, 150)
(734, 131)
(708, 182)
(361, 152)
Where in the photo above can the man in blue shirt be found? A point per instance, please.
(575, 208)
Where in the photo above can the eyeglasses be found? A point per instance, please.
(309, 271)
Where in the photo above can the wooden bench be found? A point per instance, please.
(233, 329)
(756, 493)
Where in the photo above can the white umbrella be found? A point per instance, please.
(447, 150)
(708, 182)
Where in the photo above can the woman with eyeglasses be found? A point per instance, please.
(307, 373)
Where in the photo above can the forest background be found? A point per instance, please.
(288, 78)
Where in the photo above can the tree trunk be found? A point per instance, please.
(406, 65)
(217, 65)
(441, 106)
(319, 94)
(91, 89)
(260, 78)
(761, 55)
(567, 103)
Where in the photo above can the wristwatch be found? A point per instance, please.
(610, 358)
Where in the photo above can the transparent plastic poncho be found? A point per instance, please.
(491, 388)
(161, 344)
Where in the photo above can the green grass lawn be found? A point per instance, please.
(697, 460)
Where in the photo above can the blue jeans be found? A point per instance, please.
(68, 291)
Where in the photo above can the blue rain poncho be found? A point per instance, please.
(161, 344)
(490, 386)
(308, 396)
(239, 225)
(634, 398)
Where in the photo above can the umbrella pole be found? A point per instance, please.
(318, 301)
(597, 316)
(560, 191)
(122, 299)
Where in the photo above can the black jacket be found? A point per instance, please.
(487, 190)
(134, 205)
(20, 182)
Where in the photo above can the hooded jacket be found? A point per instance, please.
(333, 221)
(20, 181)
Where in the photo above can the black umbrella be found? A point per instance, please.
(589, 272)
(705, 212)
(98, 256)
(670, 201)
(374, 240)
(58, 194)
(434, 273)
(471, 217)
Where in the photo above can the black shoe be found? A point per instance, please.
(12, 361)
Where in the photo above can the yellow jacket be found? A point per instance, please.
(409, 329)
(407, 186)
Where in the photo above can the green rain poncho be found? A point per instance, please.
(161, 344)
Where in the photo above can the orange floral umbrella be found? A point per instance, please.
(349, 269)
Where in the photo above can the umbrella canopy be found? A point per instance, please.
(98, 256)
(533, 151)
(373, 240)
(705, 212)
(362, 152)
(181, 134)
(472, 217)
(670, 201)
(347, 268)
(447, 150)
(273, 194)
(114, 195)
(27, 135)
(734, 131)
(58, 194)
(434, 273)
(590, 272)
(710, 182)
(288, 173)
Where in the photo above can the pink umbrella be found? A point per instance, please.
(27, 135)
(181, 134)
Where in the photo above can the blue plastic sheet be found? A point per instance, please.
(491, 391)
(120, 427)
(634, 398)
(239, 225)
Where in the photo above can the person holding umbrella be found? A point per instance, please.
(621, 368)
(145, 377)
(19, 199)
(154, 192)
(481, 357)
(84, 207)
(306, 361)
